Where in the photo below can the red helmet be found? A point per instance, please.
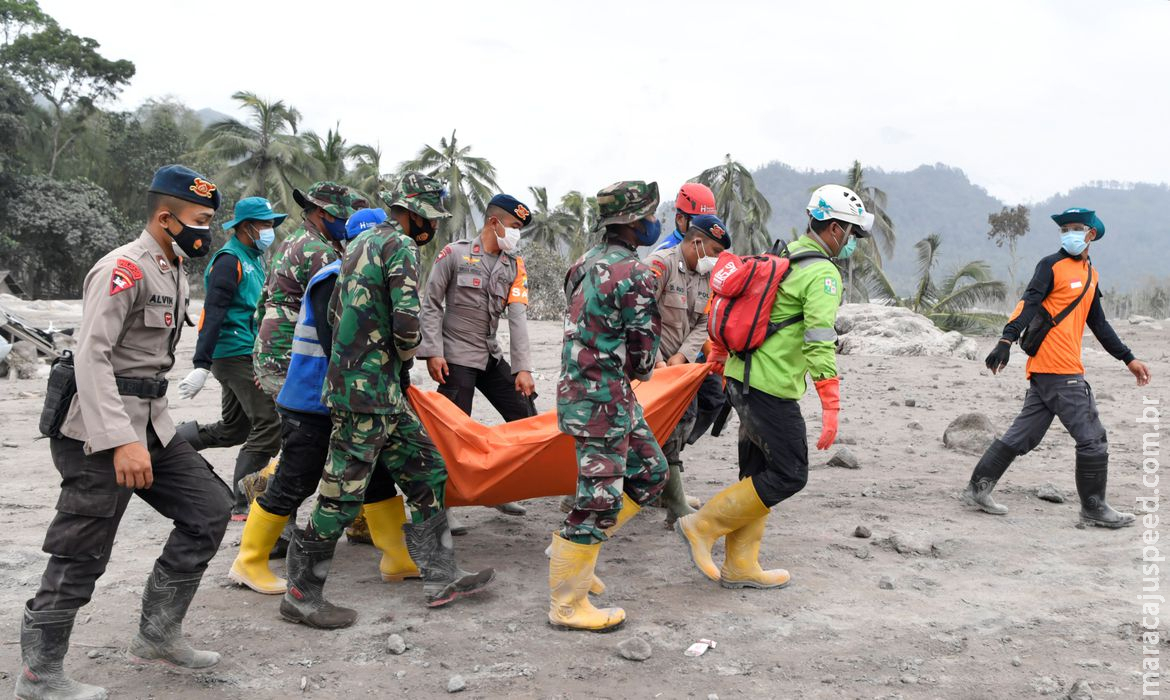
(695, 199)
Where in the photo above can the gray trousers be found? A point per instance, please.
(1065, 396)
(248, 414)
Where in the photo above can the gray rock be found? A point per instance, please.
(23, 359)
(395, 644)
(1049, 493)
(635, 649)
(1045, 685)
(1080, 690)
(886, 583)
(845, 459)
(971, 433)
(862, 531)
(914, 425)
(456, 683)
(910, 402)
(1017, 661)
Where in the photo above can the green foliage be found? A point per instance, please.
(1008, 226)
(568, 228)
(15, 108)
(741, 206)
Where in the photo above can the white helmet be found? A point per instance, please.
(841, 203)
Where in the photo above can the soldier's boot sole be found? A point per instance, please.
(464, 586)
(325, 617)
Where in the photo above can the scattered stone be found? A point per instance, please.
(23, 360)
(1017, 661)
(1045, 685)
(862, 531)
(845, 459)
(10, 443)
(914, 425)
(910, 403)
(395, 644)
(1104, 396)
(400, 674)
(876, 329)
(886, 583)
(456, 684)
(304, 683)
(635, 649)
(861, 552)
(1049, 493)
(712, 696)
(971, 433)
(909, 679)
(513, 627)
(912, 542)
(1080, 690)
(93, 653)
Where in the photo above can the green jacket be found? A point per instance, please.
(779, 366)
(237, 332)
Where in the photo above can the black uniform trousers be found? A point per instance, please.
(495, 382)
(90, 507)
(773, 446)
(303, 453)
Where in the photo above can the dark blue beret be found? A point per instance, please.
(712, 227)
(1077, 215)
(184, 183)
(514, 207)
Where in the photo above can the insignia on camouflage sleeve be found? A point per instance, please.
(130, 267)
(120, 281)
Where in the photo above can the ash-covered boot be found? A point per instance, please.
(189, 431)
(247, 463)
(307, 567)
(988, 470)
(165, 601)
(1092, 477)
(44, 641)
(674, 499)
(432, 549)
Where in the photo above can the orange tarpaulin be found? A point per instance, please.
(489, 465)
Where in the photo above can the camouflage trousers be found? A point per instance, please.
(607, 467)
(363, 442)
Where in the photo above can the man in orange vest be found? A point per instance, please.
(1064, 297)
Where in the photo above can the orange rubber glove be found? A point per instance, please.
(830, 392)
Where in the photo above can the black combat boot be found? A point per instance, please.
(990, 468)
(431, 548)
(189, 431)
(44, 641)
(1092, 476)
(306, 567)
(160, 633)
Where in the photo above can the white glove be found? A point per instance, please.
(193, 383)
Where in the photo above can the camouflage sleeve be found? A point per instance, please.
(431, 313)
(642, 322)
(402, 286)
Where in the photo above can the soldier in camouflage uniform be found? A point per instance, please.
(377, 307)
(611, 337)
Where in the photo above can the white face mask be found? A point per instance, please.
(509, 240)
(705, 263)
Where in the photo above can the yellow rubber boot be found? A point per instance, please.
(570, 571)
(741, 568)
(385, 519)
(730, 509)
(629, 509)
(261, 530)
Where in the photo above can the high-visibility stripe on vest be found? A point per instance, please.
(308, 362)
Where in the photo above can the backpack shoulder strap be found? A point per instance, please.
(1068, 309)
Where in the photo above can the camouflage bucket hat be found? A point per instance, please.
(626, 201)
(336, 199)
(421, 194)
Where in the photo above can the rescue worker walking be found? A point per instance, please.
(116, 440)
(612, 332)
(227, 333)
(773, 448)
(376, 305)
(1061, 299)
(683, 274)
(472, 284)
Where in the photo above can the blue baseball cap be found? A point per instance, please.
(182, 182)
(1077, 215)
(713, 228)
(254, 209)
(361, 220)
(514, 207)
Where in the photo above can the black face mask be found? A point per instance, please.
(191, 241)
(423, 234)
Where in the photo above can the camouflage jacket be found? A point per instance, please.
(376, 307)
(611, 336)
(294, 263)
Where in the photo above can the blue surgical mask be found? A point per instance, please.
(848, 248)
(649, 232)
(265, 238)
(336, 229)
(1073, 242)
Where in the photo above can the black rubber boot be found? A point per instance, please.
(44, 641)
(246, 463)
(1092, 477)
(160, 632)
(431, 547)
(189, 431)
(307, 567)
(280, 549)
(990, 468)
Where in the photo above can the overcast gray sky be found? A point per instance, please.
(1029, 97)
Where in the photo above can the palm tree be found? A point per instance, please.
(264, 156)
(744, 209)
(366, 175)
(951, 304)
(546, 228)
(580, 215)
(868, 258)
(329, 152)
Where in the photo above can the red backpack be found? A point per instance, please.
(744, 290)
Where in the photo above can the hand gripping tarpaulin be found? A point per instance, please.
(489, 465)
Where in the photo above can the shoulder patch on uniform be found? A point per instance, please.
(658, 267)
(830, 286)
(134, 270)
(120, 280)
(443, 253)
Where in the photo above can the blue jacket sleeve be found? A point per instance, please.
(1104, 332)
(222, 283)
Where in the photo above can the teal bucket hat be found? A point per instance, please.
(254, 209)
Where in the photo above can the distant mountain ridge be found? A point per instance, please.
(941, 199)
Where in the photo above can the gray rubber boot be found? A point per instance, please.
(189, 431)
(160, 633)
(988, 470)
(1092, 477)
(511, 508)
(307, 567)
(431, 547)
(674, 498)
(44, 641)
